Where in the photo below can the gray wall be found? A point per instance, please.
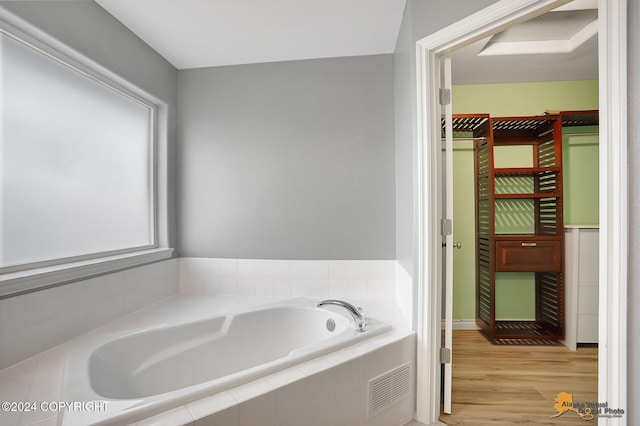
(421, 18)
(90, 30)
(405, 128)
(288, 160)
(633, 350)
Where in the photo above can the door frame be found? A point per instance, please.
(612, 63)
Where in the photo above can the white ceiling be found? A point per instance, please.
(207, 33)
(557, 46)
(557, 32)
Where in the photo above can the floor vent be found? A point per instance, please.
(388, 388)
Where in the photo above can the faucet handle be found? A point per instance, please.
(356, 313)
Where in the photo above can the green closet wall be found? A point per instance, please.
(515, 292)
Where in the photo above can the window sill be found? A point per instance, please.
(14, 283)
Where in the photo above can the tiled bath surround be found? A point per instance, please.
(332, 394)
(34, 322)
(355, 279)
(328, 391)
(342, 279)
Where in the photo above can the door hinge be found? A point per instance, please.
(446, 227)
(445, 356)
(445, 96)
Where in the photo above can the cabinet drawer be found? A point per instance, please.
(533, 256)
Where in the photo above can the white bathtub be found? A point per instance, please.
(141, 372)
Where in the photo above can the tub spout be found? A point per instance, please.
(355, 312)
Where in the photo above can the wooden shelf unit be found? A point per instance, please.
(519, 224)
(533, 194)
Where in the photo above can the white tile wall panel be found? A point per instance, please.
(34, 322)
(346, 279)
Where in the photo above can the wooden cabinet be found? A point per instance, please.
(528, 255)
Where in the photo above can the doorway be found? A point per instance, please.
(613, 218)
(491, 381)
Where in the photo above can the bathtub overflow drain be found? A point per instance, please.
(331, 324)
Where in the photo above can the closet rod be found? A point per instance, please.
(582, 134)
(566, 134)
(469, 139)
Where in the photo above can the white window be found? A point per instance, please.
(77, 163)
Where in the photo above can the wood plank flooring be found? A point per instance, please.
(506, 385)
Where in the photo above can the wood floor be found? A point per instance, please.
(506, 385)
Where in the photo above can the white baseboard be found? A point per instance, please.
(463, 324)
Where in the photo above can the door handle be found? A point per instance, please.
(457, 245)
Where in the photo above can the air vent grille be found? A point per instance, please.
(388, 388)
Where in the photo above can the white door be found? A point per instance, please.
(447, 231)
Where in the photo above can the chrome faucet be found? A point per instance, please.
(355, 312)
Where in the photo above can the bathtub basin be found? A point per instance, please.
(141, 372)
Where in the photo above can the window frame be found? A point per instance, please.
(17, 279)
